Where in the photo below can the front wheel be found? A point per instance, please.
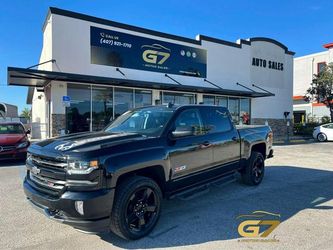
(321, 137)
(255, 170)
(136, 208)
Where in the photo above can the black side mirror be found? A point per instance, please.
(28, 131)
(182, 132)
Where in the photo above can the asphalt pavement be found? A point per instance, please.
(298, 186)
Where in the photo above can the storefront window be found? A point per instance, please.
(178, 98)
(245, 111)
(143, 98)
(221, 101)
(234, 109)
(102, 107)
(209, 99)
(78, 113)
(123, 101)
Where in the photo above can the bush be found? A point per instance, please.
(305, 129)
(325, 119)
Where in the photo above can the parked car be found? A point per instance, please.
(13, 141)
(324, 132)
(115, 179)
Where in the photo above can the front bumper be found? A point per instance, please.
(97, 208)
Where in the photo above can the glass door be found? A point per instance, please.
(234, 109)
(102, 107)
(78, 113)
(123, 101)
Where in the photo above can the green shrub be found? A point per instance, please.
(305, 129)
(325, 119)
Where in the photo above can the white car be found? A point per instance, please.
(323, 132)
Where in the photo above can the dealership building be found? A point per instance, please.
(305, 67)
(91, 70)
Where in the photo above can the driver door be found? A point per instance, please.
(191, 153)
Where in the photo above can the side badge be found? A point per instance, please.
(179, 169)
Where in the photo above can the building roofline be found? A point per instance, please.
(67, 13)
(270, 40)
(311, 55)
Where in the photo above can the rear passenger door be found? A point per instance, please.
(223, 136)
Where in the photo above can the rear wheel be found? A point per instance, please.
(136, 208)
(255, 170)
(321, 137)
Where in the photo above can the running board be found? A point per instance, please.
(196, 191)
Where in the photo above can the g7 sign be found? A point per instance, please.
(154, 55)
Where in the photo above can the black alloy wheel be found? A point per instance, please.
(136, 208)
(141, 209)
(254, 171)
(258, 169)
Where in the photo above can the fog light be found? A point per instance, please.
(79, 207)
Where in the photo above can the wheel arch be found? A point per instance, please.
(259, 147)
(155, 172)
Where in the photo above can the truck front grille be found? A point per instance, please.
(46, 175)
(47, 162)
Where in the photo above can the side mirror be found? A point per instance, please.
(182, 132)
(28, 131)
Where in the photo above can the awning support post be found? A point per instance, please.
(245, 87)
(215, 85)
(166, 75)
(117, 69)
(262, 89)
(52, 60)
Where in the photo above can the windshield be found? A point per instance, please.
(11, 129)
(145, 121)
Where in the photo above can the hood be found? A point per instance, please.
(83, 142)
(11, 139)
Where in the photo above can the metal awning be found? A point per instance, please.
(41, 78)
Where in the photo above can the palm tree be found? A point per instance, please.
(26, 113)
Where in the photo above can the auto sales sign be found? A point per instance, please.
(123, 50)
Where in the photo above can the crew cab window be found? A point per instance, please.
(190, 118)
(216, 120)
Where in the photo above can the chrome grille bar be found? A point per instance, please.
(46, 162)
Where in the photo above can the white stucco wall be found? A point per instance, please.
(226, 65)
(276, 81)
(304, 69)
(39, 100)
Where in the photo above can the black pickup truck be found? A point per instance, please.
(115, 179)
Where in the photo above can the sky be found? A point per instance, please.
(303, 26)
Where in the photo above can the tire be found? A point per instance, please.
(137, 207)
(321, 137)
(254, 171)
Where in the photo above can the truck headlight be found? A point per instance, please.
(81, 167)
